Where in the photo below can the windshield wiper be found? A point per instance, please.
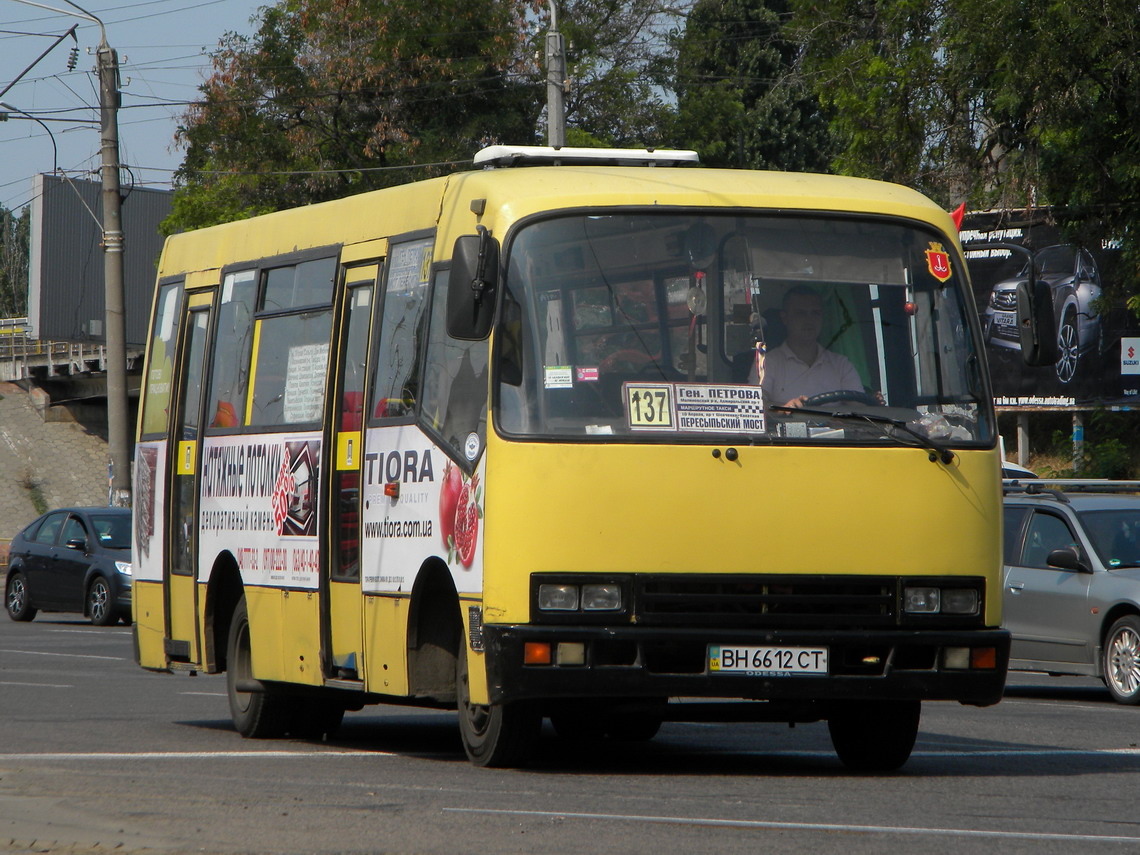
(887, 425)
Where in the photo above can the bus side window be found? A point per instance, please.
(455, 383)
(230, 379)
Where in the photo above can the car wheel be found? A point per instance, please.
(874, 736)
(17, 600)
(495, 734)
(1121, 661)
(99, 606)
(1068, 348)
(257, 710)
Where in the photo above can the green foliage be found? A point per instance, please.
(617, 70)
(741, 99)
(1109, 450)
(328, 96)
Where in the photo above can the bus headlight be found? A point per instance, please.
(601, 598)
(930, 599)
(558, 598)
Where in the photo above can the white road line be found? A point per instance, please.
(808, 826)
(66, 655)
(191, 755)
(37, 685)
(206, 694)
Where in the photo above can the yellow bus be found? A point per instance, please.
(595, 436)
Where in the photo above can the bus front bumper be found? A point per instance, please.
(968, 666)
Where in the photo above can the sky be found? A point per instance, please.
(163, 48)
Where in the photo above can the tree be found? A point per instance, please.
(617, 65)
(329, 95)
(741, 99)
(14, 232)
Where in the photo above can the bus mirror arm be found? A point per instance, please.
(472, 285)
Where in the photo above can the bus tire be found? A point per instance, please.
(262, 714)
(496, 734)
(874, 736)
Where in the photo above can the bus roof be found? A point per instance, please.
(497, 198)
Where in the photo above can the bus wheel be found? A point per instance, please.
(498, 734)
(874, 736)
(262, 714)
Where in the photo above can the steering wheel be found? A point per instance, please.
(856, 395)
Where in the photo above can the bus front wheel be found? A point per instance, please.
(260, 714)
(874, 736)
(494, 734)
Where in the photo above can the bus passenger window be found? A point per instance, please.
(291, 371)
(230, 374)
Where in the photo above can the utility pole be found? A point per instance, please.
(555, 82)
(113, 290)
(118, 437)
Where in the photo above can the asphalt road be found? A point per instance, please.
(97, 755)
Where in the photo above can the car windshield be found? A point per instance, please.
(113, 531)
(666, 327)
(1115, 535)
(1055, 260)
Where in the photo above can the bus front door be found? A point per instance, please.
(180, 589)
(344, 620)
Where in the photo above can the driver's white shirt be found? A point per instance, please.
(786, 376)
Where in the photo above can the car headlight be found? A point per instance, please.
(124, 567)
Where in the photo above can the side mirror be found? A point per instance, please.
(1067, 558)
(77, 543)
(472, 286)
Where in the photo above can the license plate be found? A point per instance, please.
(1004, 320)
(731, 659)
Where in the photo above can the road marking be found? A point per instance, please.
(806, 826)
(206, 694)
(67, 655)
(38, 685)
(193, 755)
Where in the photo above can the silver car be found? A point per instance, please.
(1072, 580)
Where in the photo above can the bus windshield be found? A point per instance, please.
(753, 327)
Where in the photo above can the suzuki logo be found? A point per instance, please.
(1131, 352)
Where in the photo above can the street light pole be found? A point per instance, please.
(118, 442)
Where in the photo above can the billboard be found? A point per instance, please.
(65, 267)
(1098, 338)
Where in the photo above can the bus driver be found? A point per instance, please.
(801, 367)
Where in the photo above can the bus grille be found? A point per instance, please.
(767, 601)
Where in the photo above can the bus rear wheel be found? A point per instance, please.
(494, 734)
(874, 736)
(257, 714)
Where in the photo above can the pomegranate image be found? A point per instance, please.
(448, 502)
(466, 531)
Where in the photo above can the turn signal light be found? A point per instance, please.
(536, 653)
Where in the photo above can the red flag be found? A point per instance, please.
(957, 214)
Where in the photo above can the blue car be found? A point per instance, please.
(72, 560)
